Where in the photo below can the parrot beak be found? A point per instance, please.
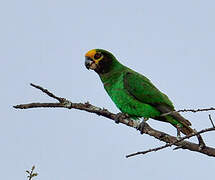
(89, 63)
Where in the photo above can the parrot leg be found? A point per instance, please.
(142, 125)
(117, 118)
(178, 132)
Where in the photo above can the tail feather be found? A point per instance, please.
(185, 129)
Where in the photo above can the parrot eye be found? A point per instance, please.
(97, 56)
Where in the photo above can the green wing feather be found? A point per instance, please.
(143, 90)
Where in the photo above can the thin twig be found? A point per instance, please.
(211, 120)
(31, 173)
(197, 110)
(46, 91)
(189, 110)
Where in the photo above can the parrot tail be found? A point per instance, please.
(176, 120)
(180, 122)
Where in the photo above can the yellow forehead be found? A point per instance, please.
(91, 53)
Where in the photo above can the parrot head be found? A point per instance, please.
(99, 60)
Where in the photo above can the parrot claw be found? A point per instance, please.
(117, 118)
(142, 125)
(178, 137)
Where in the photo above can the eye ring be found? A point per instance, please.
(97, 56)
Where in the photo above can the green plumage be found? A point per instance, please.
(135, 95)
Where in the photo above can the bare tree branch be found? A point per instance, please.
(170, 140)
(172, 143)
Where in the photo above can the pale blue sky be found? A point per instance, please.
(44, 42)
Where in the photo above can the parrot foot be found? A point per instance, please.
(142, 125)
(117, 118)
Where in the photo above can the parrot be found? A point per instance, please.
(133, 93)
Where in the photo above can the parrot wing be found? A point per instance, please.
(144, 91)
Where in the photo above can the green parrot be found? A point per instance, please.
(133, 93)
